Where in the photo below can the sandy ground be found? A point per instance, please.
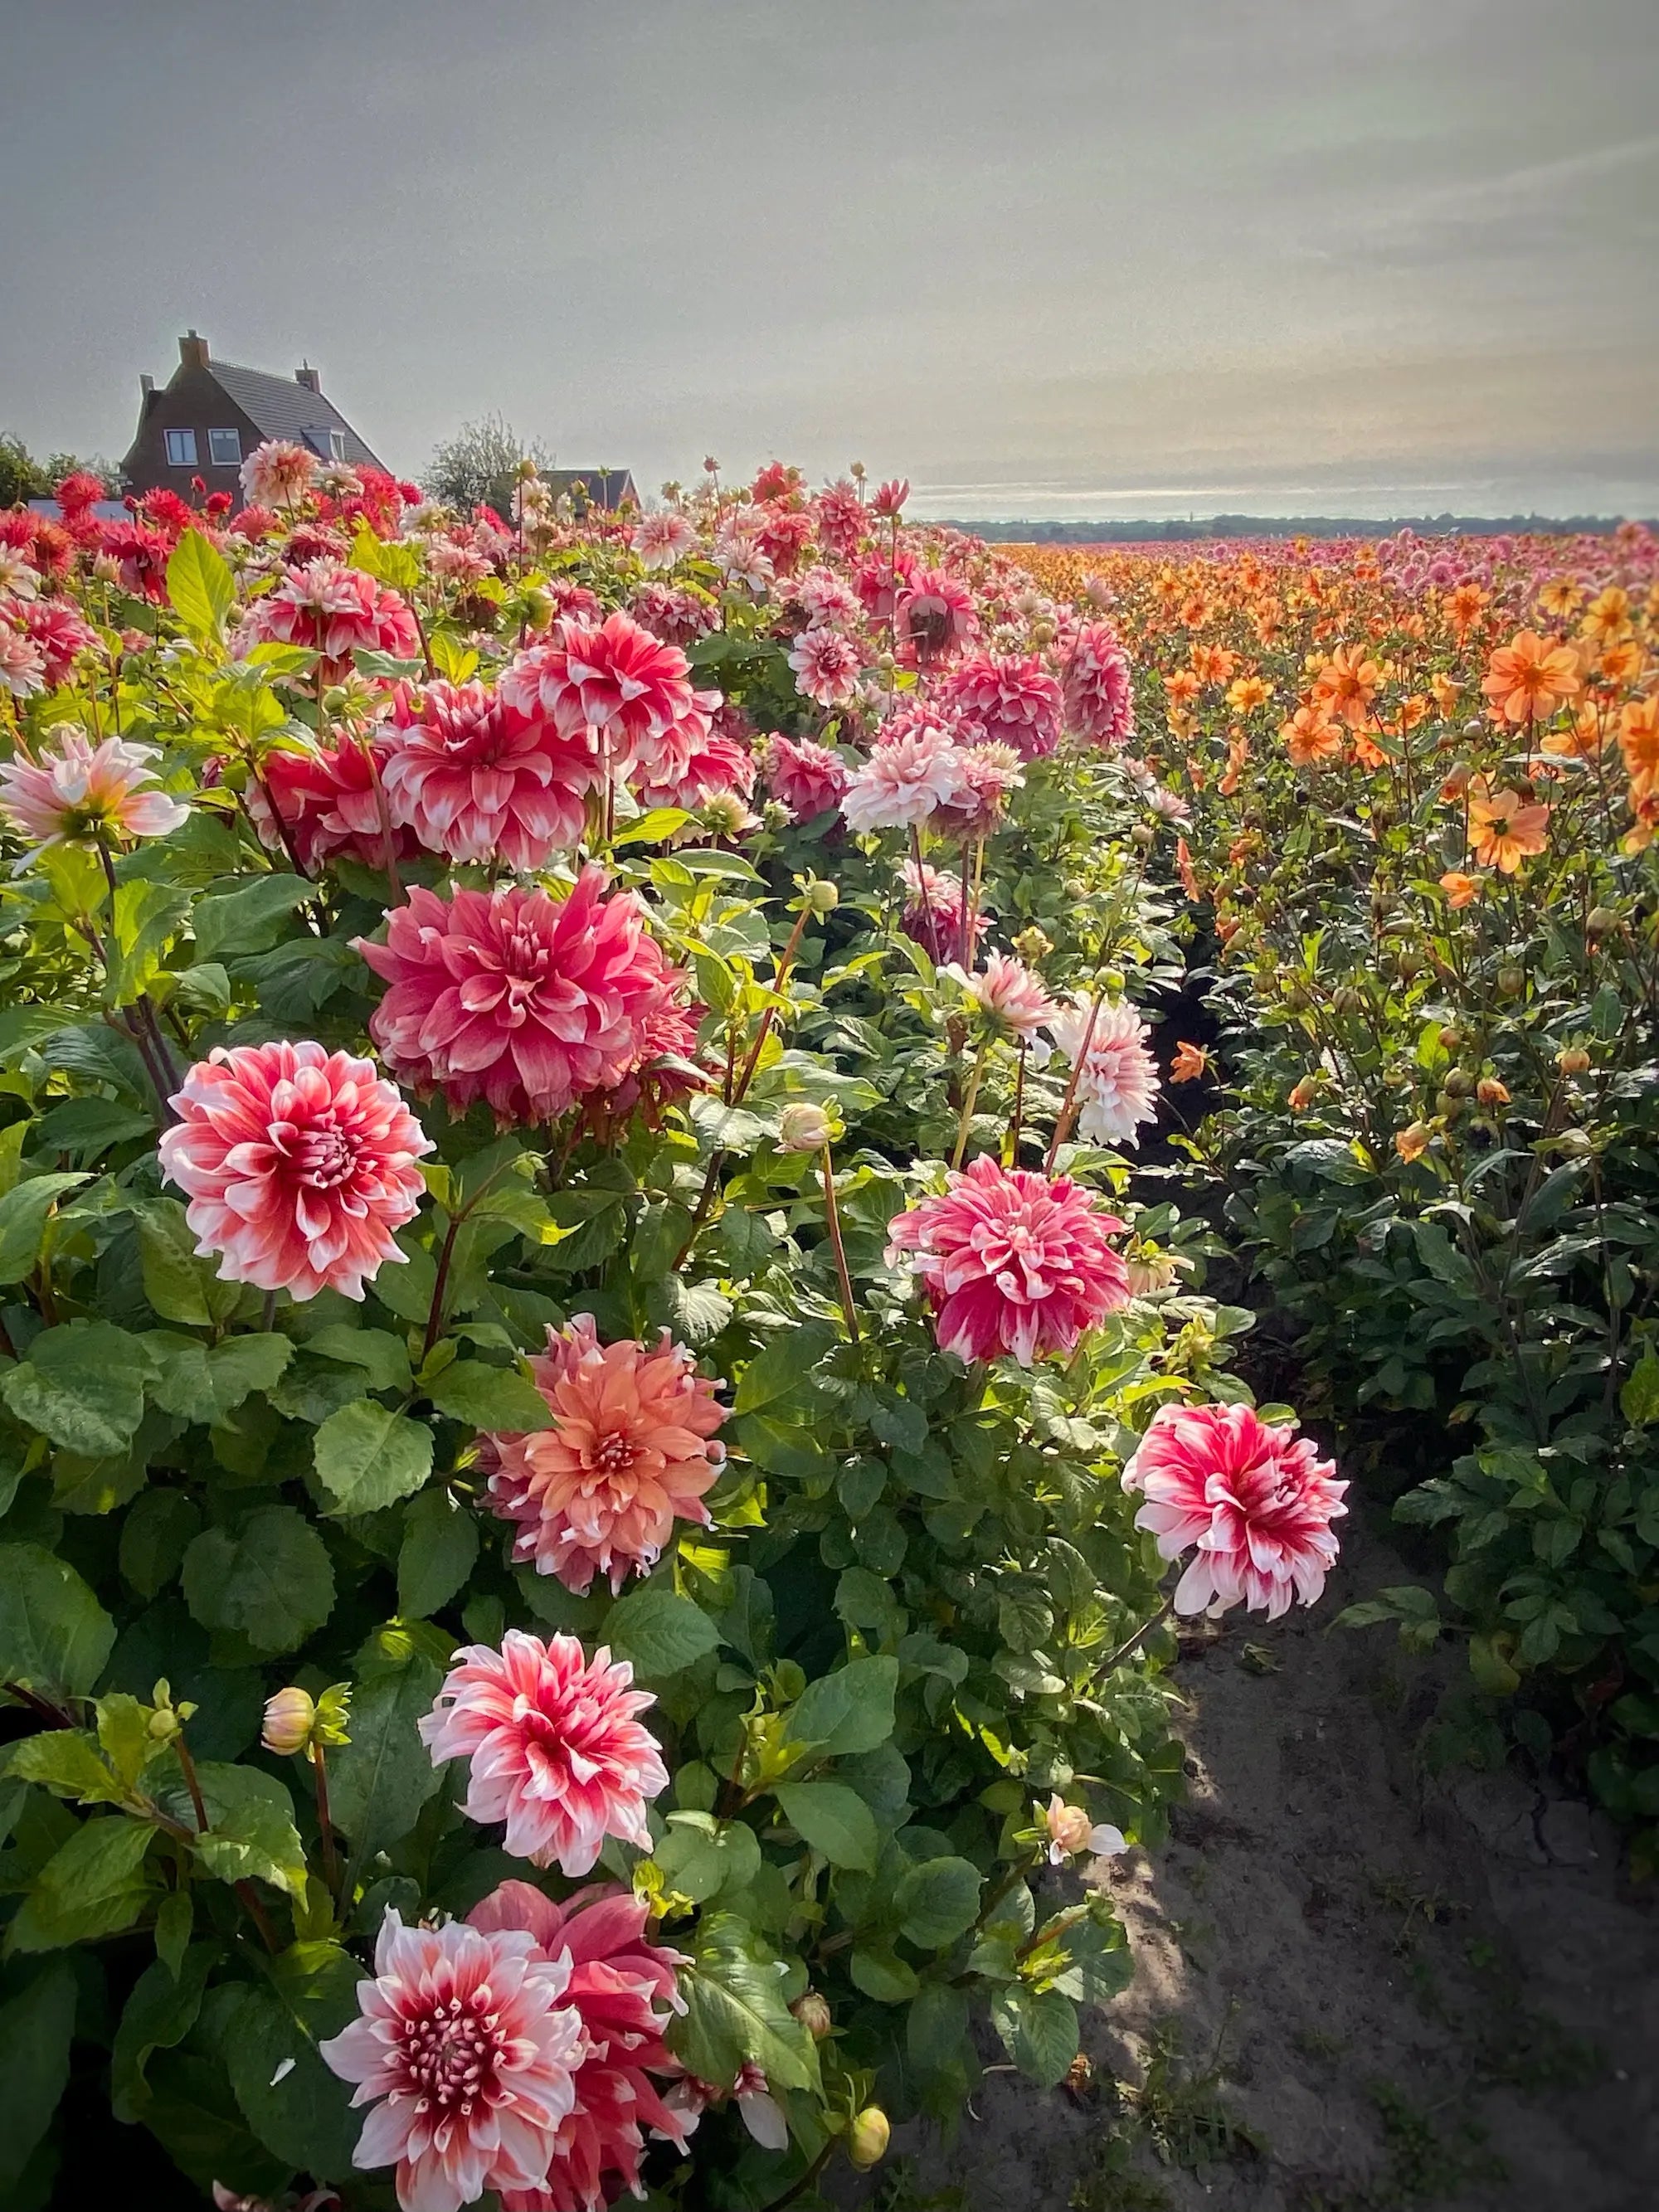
(1357, 1986)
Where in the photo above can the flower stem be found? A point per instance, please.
(778, 981)
(325, 1824)
(1063, 1121)
(833, 1216)
(971, 1099)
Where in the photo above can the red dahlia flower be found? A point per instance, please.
(474, 777)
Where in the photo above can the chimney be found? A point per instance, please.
(146, 387)
(311, 378)
(192, 350)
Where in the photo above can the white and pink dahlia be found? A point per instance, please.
(610, 684)
(631, 1451)
(467, 2049)
(935, 617)
(826, 599)
(528, 1002)
(1099, 699)
(807, 778)
(554, 1745)
(1011, 1261)
(662, 541)
(907, 779)
(325, 798)
(989, 774)
(298, 1165)
(23, 663)
(1009, 995)
(1118, 1087)
(475, 778)
(827, 665)
(82, 791)
(935, 912)
(1255, 1499)
(1006, 699)
(334, 610)
(277, 473)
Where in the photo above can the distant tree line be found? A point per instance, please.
(1296, 526)
(21, 476)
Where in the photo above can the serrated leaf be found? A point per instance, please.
(660, 1631)
(382, 1356)
(251, 1833)
(783, 1369)
(201, 589)
(83, 1386)
(378, 1782)
(735, 2012)
(158, 2015)
(849, 1710)
(54, 1636)
(231, 925)
(938, 1901)
(270, 1580)
(498, 1399)
(68, 1762)
(1038, 2029)
(286, 2093)
(439, 1548)
(367, 1455)
(23, 1213)
(834, 1820)
(93, 1885)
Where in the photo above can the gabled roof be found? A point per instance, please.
(283, 408)
(606, 488)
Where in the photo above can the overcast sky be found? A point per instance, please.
(1048, 257)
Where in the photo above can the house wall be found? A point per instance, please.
(192, 401)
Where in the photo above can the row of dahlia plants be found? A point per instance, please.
(594, 1421)
(1418, 787)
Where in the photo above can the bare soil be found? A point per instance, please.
(1359, 1985)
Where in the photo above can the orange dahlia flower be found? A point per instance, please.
(1638, 741)
(1190, 1062)
(1348, 683)
(1530, 676)
(1460, 889)
(1311, 736)
(1503, 829)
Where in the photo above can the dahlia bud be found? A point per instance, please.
(1412, 1142)
(538, 607)
(1575, 1144)
(1511, 981)
(1458, 1084)
(1573, 1060)
(290, 1717)
(1451, 1039)
(1143, 834)
(886, 664)
(823, 897)
(812, 2011)
(1601, 920)
(866, 2142)
(803, 1129)
(1043, 633)
(1303, 1095)
(1490, 1092)
(1032, 946)
(105, 568)
(857, 471)
(724, 814)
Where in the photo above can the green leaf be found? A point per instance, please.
(147, 916)
(834, 1820)
(290, 2099)
(68, 1762)
(1038, 2030)
(497, 1398)
(367, 1456)
(23, 1212)
(377, 1783)
(660, 1631)
(701, 1856)
(883, 1975)
(93, 1885)
(179, 1287)
(270, 1580)
(230, 924)
(440, 1545)
(783, 1369)
(735, 2012)
(54, 1635)
(159, 2014)
(937, 1901)
(201, 590)
(35, 2027)
(1639, 1400)
(83, 1386)
(849, 1711)
(383, 1356)
(250, 1832)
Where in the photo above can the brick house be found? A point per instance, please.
(210, 415)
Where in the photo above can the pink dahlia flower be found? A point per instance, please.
(839, 520)
(988, 773)
(1006, 699)
(827, 665)
(906, 780)
(808, 778)
(20, 580)
(782, 535)
(610, 685)
(631, 1452)
(475, 778)
(324, 795)
(826, 599)
(140, 553)
(879, 580)
(298, 1163)
(85, 791)
(934, 907)
(23, 664)
(334, 610)
(1012, 1262)
(617, 1982)
(513, 997)
(673, 612)
(935, 618)
(555, 1747)
(736, 550)
(55, 626)
(1257, 1501)
(277, 473)
(716, 760)
(662, 541)
(1099, 701)
(1009, 995)
(888, 499)
(467, 2049)
(1118, 1088)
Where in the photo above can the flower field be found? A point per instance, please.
(618, 1138)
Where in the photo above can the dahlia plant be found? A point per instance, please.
(574, 1347)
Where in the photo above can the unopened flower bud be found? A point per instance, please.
(886, 664)
(724, 814)
(289, 1718)
(812, 2011)
(867, 2139)
(1043, 633)
(1490, 1092)
(803, 1129)
(1033, 945)
(1601, 920)
(822, 898)
(1143, 834)
(1573, 1060)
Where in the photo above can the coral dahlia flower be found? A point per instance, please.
(475, 778)
(905, 781)
(827, 664)
(1095, 687)
(556, 1749)
(1530, 676)
(467, 2049)
(1503, 830)
(325, 796)
(333, 610)
(612, 685)
(1118, 1088)
(511, 996)
(1347, 683)
(83, 791)
(631, 1451)
(1256, 1500)
(808, 778)
(934, 618)
(298, 1164)
(1005, 700)
(617, 1982)
(277, 473)
(1011, 1261)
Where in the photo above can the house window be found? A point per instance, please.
(336, 445)
(181, 449)
(225, 448)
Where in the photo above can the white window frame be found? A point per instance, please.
(182, 458)
(336, 445)
(219, 461)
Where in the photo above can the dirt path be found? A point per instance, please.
(1357, 1987)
